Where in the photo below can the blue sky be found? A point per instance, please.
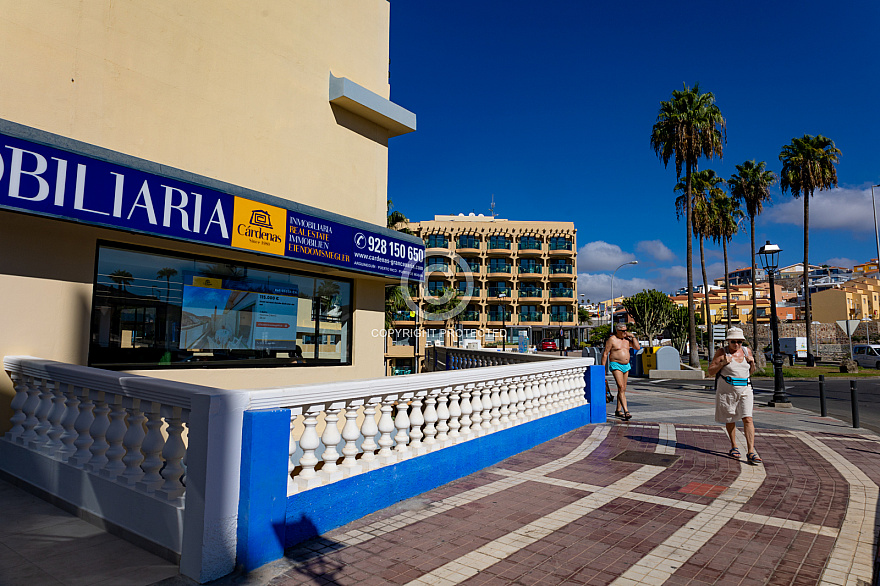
(548, 106)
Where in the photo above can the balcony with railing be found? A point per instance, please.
(529, 246)
(498, 244)
(561, 316)
(527, 271)
(499, 269)
(560, 270)
(530, 293)
(561, 292)
(467, 243)
(560, 246)
(221, 478)
(531, 317)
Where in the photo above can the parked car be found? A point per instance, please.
(867, 355)
(547, 344)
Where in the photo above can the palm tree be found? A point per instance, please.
(122, 278)
(808, 165)
(394, 301)
(727, 217)
(396, 220)
(166, 273)
(688, 127)
(703, 185)
(750, 185)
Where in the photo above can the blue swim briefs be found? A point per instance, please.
(624, 368)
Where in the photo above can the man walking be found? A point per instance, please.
(617, 351)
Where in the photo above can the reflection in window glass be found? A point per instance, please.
(158, 310)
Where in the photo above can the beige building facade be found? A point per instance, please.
(197, 191)
(510, 276)
(858, 298)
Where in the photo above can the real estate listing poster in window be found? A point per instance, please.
(221, 314)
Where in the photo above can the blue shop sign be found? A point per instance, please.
(43, 180)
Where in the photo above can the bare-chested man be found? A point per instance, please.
(617, 351)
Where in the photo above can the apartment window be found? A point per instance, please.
(496, 289)
(560, 243)
(561, 291)
(462, 287)
(530, 290)
(559, 266)
(560, 313)
(529, 266)
(436, 263)
(152, 309)
(436, 241)
(529, 243)
(502, 242)
(436, 288)
(468, 241)
(499, 265)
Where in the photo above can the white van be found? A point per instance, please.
(867, 355)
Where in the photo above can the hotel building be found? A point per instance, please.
(521, 275)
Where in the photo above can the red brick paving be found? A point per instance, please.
(596, 548)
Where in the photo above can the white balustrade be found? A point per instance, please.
(391, 420)
(104, 429)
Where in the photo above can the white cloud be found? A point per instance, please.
(837, 209)
(656, 249)
(601, 256)
(840, 261)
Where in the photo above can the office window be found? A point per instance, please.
(154, 309)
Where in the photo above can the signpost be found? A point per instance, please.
(849, 326)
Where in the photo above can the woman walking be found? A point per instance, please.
(732, 366)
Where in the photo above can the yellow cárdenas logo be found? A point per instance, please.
(258, 227)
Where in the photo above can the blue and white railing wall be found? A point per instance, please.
(234, 477)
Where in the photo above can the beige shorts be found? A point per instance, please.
(733, 403)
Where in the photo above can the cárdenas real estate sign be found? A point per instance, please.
(40, 179)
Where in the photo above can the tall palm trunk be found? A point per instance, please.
(711, 349)
(754, 289)
(726, 279)
(694, 358)
(807, 313)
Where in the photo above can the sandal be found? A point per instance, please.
(734, 453)
(754, 458)
(618, 414)
(626, 416)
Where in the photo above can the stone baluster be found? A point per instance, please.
(386, 426)
(115, 436)
(30, 411)
(477, 409)
(550, 382)
(454, 411)
(39, 441)
(486, 423)
(331, 438)
(401, 422)
(573, 398)
(581, 386)
(519, 392)
(505, 409)
(529, 391)
(54, 445)
(351, 434)
(444, 415)
(308, 443)
(19, 383)
(68, 423)
(369, 429)
(416, 421)
(541, 395)
(467, 410)
(567, 395)
(431, 417)
(173, 453)
(98, 431)
(132, 441)
(152, 446)
(82, 425)
(291, 453)
(495, 400)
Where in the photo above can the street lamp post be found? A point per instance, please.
(769, 254)
(611, 320)
(876, 234)
(501, 296)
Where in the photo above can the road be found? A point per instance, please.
(804, 394)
